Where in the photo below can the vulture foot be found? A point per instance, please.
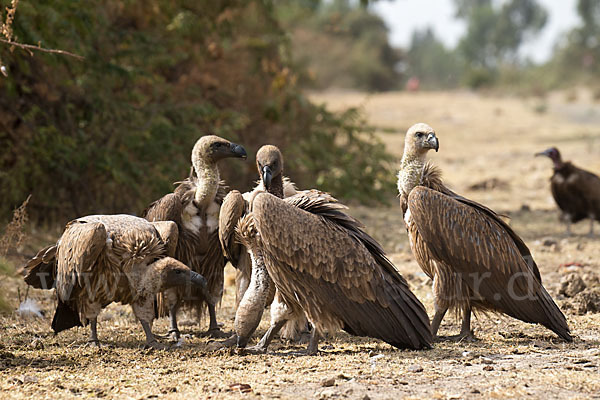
(154, 345)
(225, 344)
(172, 335)
(461, 337)
(253, 350)
(217, 333)
(92, 343)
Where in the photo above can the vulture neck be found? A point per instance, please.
(411, 172)
(208, 182)
(276, 188)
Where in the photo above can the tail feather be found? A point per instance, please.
(40, 271)
(65, 318)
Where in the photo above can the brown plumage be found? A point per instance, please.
(321, 259)
(194, 206)
(101, 259)
(476, 261)
(575, 190)
(255, 289)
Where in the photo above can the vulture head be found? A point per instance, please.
(269, 162)
(553, 154)
(173, 273)
(420, 138)
(213, 148)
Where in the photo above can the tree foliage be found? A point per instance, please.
(111, 133)
(495, 34)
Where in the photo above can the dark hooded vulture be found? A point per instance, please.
(321, 260)
(255, 289)
(194, 207)
(476, 261)
(102, 259)
(575, 190)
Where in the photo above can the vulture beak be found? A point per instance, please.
(198, 280)
(267, 175)
(238, 151)
(433, 142)
(543, 153)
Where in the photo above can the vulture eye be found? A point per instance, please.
(420, 135)
(178, 271)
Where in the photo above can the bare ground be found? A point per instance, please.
(484, 141)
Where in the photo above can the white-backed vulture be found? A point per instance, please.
(575, 190)
(194, 207)
(476, 261)
(101, 259)
(254, 288)
(321, 259)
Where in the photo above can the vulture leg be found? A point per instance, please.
(568, 226)
(591, 233)
(93, 341)
(151, 341)
(440, 312)
(174, 330)
(313, 345)
(261, 347)
(214, 329)
(465, 329)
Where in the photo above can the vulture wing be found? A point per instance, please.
(169, 234)
(481, 249)
(167, 208)
(78, 249)
(233, 208)
(40, 271)
(319, 255)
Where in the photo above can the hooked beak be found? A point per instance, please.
(432, 142)
(238, 151)
(543, 153)
(267, 175)
(198, 280)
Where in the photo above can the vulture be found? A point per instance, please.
(475, 260)
(194, 206)
(100, 259)
(322, 261)
(254, 288)
(575, 190)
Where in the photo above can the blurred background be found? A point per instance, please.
(334, 83)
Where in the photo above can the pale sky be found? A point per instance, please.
(404, 16)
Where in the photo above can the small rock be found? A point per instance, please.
(488, 368)
(30, 379)
(475, 391)
(37, 344)
(585, 301)
(486, 360)
(571, 285)
(328, 382)
(415, 368)
(328, 394)
(366, 397)
(548, 242)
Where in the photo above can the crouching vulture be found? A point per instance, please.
(321, 259)
(101, 259)
(255, 289)
(476, 261)
(194, 207)
(575, 190)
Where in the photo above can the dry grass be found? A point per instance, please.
(481, 139)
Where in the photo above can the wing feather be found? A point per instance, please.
(233, 208)
(78, 249)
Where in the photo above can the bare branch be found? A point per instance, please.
(30, 47)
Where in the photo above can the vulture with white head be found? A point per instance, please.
(575, 190)
(101, 259)
(475, 259)
(194, 206)
(255, 289)
(322, 260)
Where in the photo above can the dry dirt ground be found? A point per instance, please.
(484, 141)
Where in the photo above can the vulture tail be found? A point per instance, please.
(40, 271)
(65, 318)
(555, 319)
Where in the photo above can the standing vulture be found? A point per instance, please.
(194, 207)
(255, 289)
(575, 190)
(100, 259)
(476, 261)
(321, 259)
